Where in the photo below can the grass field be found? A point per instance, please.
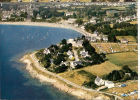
(126, 58)
(115, 62)
(134, 22)
(113, 47)
(131, 39)
(98, 70)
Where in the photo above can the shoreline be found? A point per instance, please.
(46, 24)
(36, 72)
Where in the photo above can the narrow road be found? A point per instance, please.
(37, 65)
(75, 55)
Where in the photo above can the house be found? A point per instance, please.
(38, 16)
(68, 13)
(109, 84)
(98, 81)
(69, 53)
(88, 38)
(71, 21)
(75, 63)
(79, 43)
(84, 53)
(64, 63)
(92, 20)
(98, 38)
(93, 39)
(124, 41)
(96, 33)
(46, 51)
(105, 38)
(70, 41)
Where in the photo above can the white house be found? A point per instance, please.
(93, 20)
(38, 16)
(109, 84)
(46, 51)
(75, 63)
(71, 20)
(84, 53)
(69, 53)
(105, 38)
(68, 13)
(98, 81)
(93, 39)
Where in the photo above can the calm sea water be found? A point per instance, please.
(15, 81)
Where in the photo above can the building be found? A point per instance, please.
(84, 53)
(38, 16)
(46, 51)
(98, 81)
(109, 84)
(93, 20)
(71, 21)
(73, 64)
(68, 13)
(105, 38)
(124, 41)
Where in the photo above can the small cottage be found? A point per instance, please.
(46, 51)
(98, 81)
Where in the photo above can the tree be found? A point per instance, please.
(64, 42)
(79, 21)
(126, 69)
(61, 68)
(112, 38)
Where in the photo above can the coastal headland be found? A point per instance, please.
(37, 71)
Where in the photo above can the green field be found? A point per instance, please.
(126, 58)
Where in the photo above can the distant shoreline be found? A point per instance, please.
(45, 24)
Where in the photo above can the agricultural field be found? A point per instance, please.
(115, 62)
(113, 47)
(131, 39)
(134, 22)
(126, 58)
(97, 70)
(115, 8)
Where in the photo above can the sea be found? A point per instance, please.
(17, 40)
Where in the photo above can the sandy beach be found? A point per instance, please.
(45, 24)
(33, 68)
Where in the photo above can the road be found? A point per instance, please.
(37, 65)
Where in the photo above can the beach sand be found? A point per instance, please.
(46, 24)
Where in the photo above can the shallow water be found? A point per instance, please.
(15, 81)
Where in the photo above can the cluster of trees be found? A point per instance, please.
(79, 21)
(122, 75)
(91, 77)
(47, 13)
(94, 58)
(44, 59)
(90, 27)
(61, 69)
